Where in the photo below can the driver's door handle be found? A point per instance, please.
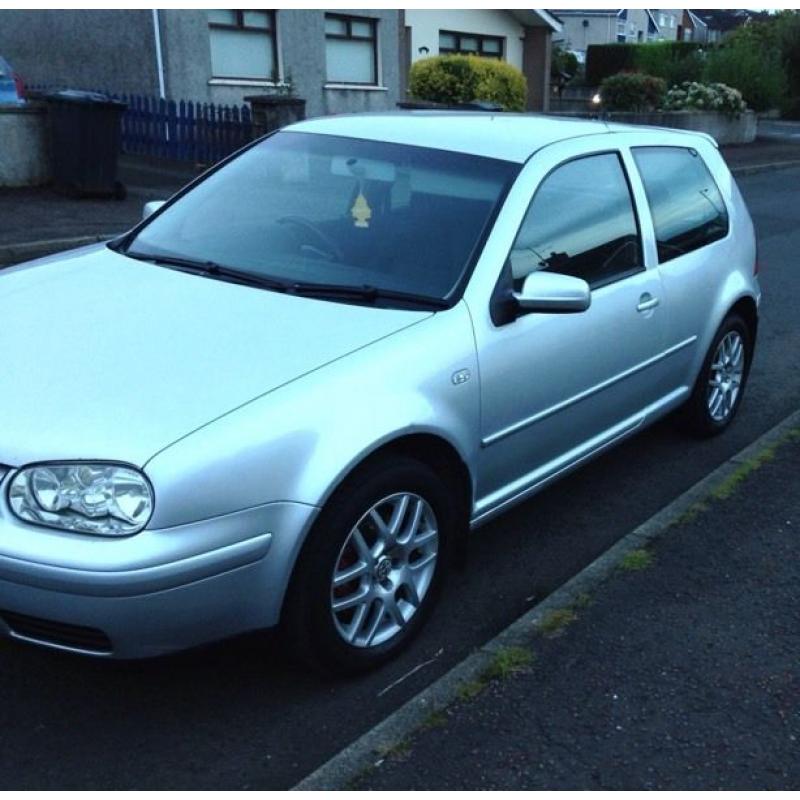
(646, 302)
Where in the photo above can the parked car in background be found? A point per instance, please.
(12, 89)
(288, 394)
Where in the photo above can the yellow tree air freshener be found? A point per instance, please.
(361, 212)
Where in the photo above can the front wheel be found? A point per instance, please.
(718, 392)
(369, 575)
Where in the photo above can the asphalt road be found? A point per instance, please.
(238, 715)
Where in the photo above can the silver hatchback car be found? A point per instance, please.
(290, 392)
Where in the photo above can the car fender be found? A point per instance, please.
(298, 442)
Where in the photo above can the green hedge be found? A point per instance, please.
(462, 79)
(759, 76)
(675, 62)
(605, 60)
(761, 60)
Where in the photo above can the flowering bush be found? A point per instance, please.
(704, 97)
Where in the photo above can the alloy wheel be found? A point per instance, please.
(725, 379)
(384, 569)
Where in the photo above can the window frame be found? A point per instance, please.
(481, 38)
(271, 32)
(690, 150)
(348, 36)
(634, 208)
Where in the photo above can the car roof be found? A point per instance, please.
(511, 137)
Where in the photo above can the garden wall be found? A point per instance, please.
(24, 146)
(737, 129)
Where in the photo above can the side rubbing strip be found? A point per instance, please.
(548, 412)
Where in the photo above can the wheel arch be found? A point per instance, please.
(431, 449)
(746, 307)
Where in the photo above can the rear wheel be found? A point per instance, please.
(369, 575)
(718, 392)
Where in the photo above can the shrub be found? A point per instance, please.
(632, 91)
(787, 25)
(755, 71)
(704, 97)
(461, 79)
(563, 62)
(675, 62)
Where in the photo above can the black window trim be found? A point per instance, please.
(479, 52)
(620, 158)
(239, 25)
(349, 36)
(271, 32)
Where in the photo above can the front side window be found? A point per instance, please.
(581, 222)
(470, 44)
(686, 205)
(302, 208)
(351, 49)
(243, 44)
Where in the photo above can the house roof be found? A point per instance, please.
(536, 18)
(695, 19)
(585, 12)
(724, 19)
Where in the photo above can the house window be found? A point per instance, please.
(243, 44)
(351, 49)
(470, 44)
(621, 35)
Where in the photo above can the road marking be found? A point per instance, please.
(364, 752)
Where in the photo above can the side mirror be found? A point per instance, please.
(152, 207)
(552, 293)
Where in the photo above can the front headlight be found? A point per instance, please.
(104, 499)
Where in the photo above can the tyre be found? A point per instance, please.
(372, 567)
(720, 385)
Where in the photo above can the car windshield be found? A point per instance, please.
(326, 212)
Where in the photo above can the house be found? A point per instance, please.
(584, 27)
(520, 37)
(720, 21)
(340, 61)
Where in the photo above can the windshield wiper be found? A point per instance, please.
(365, 292)
(212, 270)
(332, 290)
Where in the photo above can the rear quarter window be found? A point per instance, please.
(686, 205)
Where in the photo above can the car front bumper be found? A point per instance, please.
(153, 593)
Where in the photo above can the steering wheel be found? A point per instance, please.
(330, 247)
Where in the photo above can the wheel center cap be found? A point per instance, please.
(383, 568)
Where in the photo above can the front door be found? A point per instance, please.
(556, 387)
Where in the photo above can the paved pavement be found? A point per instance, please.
(41, 214)
(32, 214)
(683, 675)
(780, 130)
(237, 715)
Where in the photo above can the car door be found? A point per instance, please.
(557, 387)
